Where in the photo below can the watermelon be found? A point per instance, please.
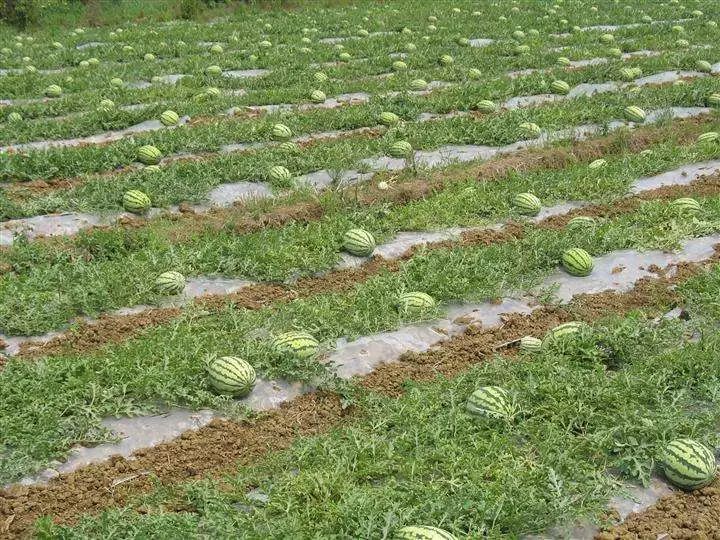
(400, 149)
(53, 91)
(213, 70)
(627, 74)
(169, 118)
(598, 163)
(415, 303)
(231, 375)
(462, 41)
(317, 96)
(280, 132)
(714, 99)
(14, 117)
(474, 74)
(297, 344)
(216, 49)
(84, 64)
(530, 344)
(320, 77)
(117, 82)
(614, 52)
(345, 57)
(106, 105)
(530, 129)
(446, 60)
(686, 205)
(212, 92)
(388, 119)
(577, 262)
(704, 66)
(634, 114)
(710, 136)
(486, 106)
(688, 464)
(563, 61)
(521, 49)
(170, 283)
(399, 65)
(518, 35)
(696, 13)
(527, 204)
(265, 44)
(363, 33)
(562, 331)
(410, 47)
(422, 532)
(359, 242)
(490, 401)
(418, 85)
(149, 57)
(607, 38)
(152, 169)
(684, 43)
(149, 155)
(560, 87)
(136, 202)
(289, 147)
(581, 222)
(279, 175)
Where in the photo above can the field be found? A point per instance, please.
(338, 271)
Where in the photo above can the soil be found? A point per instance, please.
(219, 447)
(691, 516)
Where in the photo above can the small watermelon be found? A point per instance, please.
(170, 283)
(289, 147)
(597, 164)
(422, 532)
(418, 85)
(344, 57)
(581, 222)
(359, 242)
(714, 100)
(14, 117)
(530, 129)
(106, 105)
(53, 91)
(563, 61)
(627, 74)
(265, 44)
(213, 70)
(521, 49)
(560, 87)
(607, 38)
(703, 66)
(486, 106)
(297, 344)
(562, 331)
(474, 74)
(577, 262)
(149, 155)
(530, 344)
(490, 401)
(634, 114)
(318, 96)
(117, 82)
(527, 204)
(320, 77)
(388, 119)
(709, 136)
(169, 118)
(279, 175)
(686, 205)
(231, 375)
(400, 149)
(415, 303)
(280, 132)
(614, 52)
(136, 202)
(212, 92)
(216, 49)
(688, 464)
(149, 57)
(399, 65)
(446, 60)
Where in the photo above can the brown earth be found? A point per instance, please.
(690, 516)
(219, 447)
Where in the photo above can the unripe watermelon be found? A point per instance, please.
(399, 65)
(152, 169)
(527, 204)
(106, 105)
(597, 164)
(212, 92)
(686, 205)
(280, 132)
(688, 464)
(446, 60)
(714, 100)
(530, 344)
(345, 57)
(265, 44)
(400, 149)
(581, 222)
(709, 136)
(634, 114)
(415, 303)
(563, 61)
(149, 57)
(318, 96)
(521, 49)
(490, 401)
(84, 63)
(301, 345)
(486, 106)
(289, 147)
(562, 331)
(704, 66)
(170, 283)
(53, 91)
(474, 74)
(359, 242)
(231, 375)
(418, 84)
(560, 87)
(14, 117)
(149, 155)
(213, 70)
(279, 175)
(216, 49)
(363, 33)
(169, 118)
(117, 82)
(615, 52)
(388, 118)
(627, 74)
(422, 532)
(518, 35)
(410, 47)
(530, 129)
(577, 262)
(683, 43)
(607, 38)
(320, 77)
(136, 202)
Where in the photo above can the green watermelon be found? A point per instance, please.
(136, 201)
(400, 149)
(265, 44)
(289, 147)
(14, 117)
(486, 106)
(422, 532)
(704, 66)
(169, 118)
(491, 401)
(607, 38)
(577, 262)
(216, 49)
(446, 60)
(170, 283)
(634, 114)
(149, 57)
(279, 175)
(714, 99)
(614, 52)
(562, 331)
(710, 136)
(317, 96)
(530, 344)
(320, 77)
(149, 155)
(298, 344)
(117, 82)
(527, 204)
(388, 119)
(560, 87)
(563, 61)
(280, 132)
(530, 129)
(106, 105)
(686, 205)
(581, 222)
(212, 92)
(231, 375)
(415, 303)
(399, 65)
(344, 57)
(53, 91)
(598, 163)
(213, 70)
(474, 74)
(688, 464)
(521, 49)
(418, 85)
(359, 242)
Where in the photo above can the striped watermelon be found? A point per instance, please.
(169, 118)
(634, 114)
(415, 303)
(627, 74)
(710, 136)
(265, 44)
(149, 155)
(714, 99)
(518, 35)
(446, 60)
(320, 77)
(399, 65)
(562, 331)
(614, 52)
(474, 74)
(683, 43)
(486, 106)
(280, 132)
(422, 532)
(318, 96)
(388, 119)
(106, 105)
(521, 49)
(298, 344)
(400, 149)
(363, 33)
(462, 41)
(530, 344)
(152, 169)
(136, 201)
(704, 66)
(491, 401)
(216, 49)
(289, 147)
(577, 262)
(53, 91)
(170, 283)
(607, 38)
(560, 87)
(686, 205)
(231, 375)
(530, 129)
(359, 242)
(14, 117)
(688, 464)
(212, 92)
(279, 174)
(563, 61)
(149, 57)
(213, 70)
(527, 204)
(410, 47)
(597, 164)
(581, 222)
(418, 85)
(344, 57)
